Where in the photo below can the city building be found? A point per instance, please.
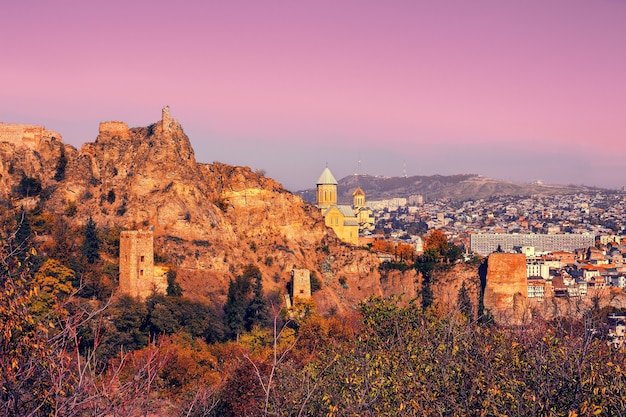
(487, 243)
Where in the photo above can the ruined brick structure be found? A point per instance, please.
(119, 129)
(25, 135)
(137, 270)
(300, 284)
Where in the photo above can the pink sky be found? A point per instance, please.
(515, 90)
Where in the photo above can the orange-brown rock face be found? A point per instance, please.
(209, 220)
(447, 285)
(506, 290)
(31, 151)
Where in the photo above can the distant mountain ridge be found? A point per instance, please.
(458, 187)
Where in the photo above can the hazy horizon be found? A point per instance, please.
(520, 91)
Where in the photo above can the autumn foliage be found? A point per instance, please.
(64, 355)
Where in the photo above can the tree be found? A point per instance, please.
(405, 252)
(63, 244)
(382, 246)
(464, 303)
(316, 284)
(453, 253)
(257, 313)
(26, 357)
(53, 282)
(168, 315)
(91, 242)
(111, 196)
(28, 187)
(427, 293)
(173, 288)
(59, 175)
(23, 232)
(437, 242)
(245, 305)
(235, 306)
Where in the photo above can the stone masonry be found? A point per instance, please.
(25, 135)
(300, 284)
(137, 270)
(113, 129)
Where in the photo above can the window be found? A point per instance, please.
(141, 259)
(141, 272)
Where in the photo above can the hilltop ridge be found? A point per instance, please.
(209, 220)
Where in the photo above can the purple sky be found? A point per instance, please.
(515, 90)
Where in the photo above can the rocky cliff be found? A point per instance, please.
(209, 220)
(506, 290)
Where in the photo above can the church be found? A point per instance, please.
(346, 221)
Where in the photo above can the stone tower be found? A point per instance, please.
(137, 272)
(300, 284)
(166, 118)
(326, 190)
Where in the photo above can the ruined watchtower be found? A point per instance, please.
(166, 118)
(137, 271)
(300, 284)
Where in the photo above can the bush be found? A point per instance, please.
(316, 284)
(28, 187)
(70, 209)
(59, 175)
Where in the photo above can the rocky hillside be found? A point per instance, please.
(209, 221)
(455, 187)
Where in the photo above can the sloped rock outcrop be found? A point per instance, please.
(209, 220)
(506, 289)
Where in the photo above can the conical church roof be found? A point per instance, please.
(327, 177)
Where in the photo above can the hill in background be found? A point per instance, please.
(459, 187)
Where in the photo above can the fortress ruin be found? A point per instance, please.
(300, 284)
(25, 135)
(138, 275)
(113, 128)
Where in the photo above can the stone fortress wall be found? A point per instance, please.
(25, 135)
(114, 128)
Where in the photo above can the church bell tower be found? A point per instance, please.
(326, 190)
